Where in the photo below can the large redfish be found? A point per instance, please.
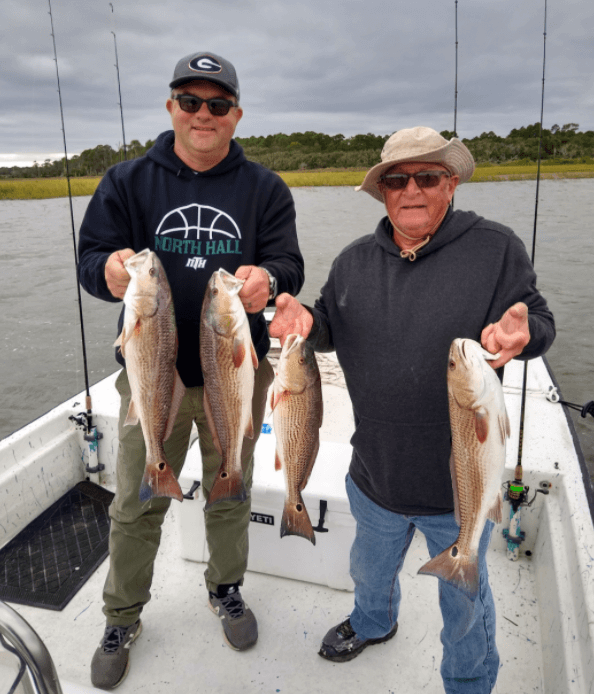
(148, 343)
(297, 416)
(228, 362)
(480, 426)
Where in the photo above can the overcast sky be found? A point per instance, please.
(333, 66)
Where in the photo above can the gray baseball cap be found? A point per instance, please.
(209, 67)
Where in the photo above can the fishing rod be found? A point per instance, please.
(84, 419)
(456, 74)
(117, 67)
(517, 492)
(455, 82)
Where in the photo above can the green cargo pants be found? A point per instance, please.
(136, 526)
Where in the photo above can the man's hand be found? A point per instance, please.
(254, 293)
(290, 317)
(116, 275)
(508, 336)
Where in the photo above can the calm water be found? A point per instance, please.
(39, 327)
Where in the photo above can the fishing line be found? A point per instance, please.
(82, 328)
(525, 376)
(117, 67)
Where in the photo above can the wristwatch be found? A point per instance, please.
(273, 285)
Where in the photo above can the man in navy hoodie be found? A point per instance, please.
(200, 205)
(393, 303)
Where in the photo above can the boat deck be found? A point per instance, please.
(181, 648)
(543, 600)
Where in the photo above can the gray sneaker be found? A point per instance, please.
(240, 628)
(110, 663)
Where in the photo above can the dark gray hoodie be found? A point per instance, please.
(391, 322)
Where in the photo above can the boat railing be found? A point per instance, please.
(36, 664)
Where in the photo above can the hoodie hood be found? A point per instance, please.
(162, 153)
(455, 224)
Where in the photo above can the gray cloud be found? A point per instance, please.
(334, 66)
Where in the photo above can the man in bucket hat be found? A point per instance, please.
(200, 205)
(393, 303)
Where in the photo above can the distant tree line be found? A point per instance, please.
(311, 150)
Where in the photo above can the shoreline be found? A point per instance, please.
(44, 188)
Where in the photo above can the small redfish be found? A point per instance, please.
(297, 416)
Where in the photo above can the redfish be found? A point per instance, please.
(297, 416)
(148, 343)
(228, 362)
(480, 426)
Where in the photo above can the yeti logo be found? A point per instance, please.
(198, 230)
(205, 64)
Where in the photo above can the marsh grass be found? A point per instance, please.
(38, 188)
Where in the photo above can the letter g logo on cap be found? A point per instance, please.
(205, 64)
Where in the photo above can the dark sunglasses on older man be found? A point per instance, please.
(424, 179)
(192, 104)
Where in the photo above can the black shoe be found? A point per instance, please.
(341, 643)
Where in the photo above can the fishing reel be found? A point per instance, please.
(517, 492)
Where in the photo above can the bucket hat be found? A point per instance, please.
(209, 67)
(419, 144)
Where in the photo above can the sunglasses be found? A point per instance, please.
(192, 104)
(424, 179)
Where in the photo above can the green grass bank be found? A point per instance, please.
(39, 188)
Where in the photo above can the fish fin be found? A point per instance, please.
(481, 425)
(238, 353)
(456, 569)
(278, 397)
(295, 521)
(228, 486)
(159, 480)
(504, 426)
(496, 511)
(121, 341)
(455, 488)
(277, 461)
(249, 430)
(132, 416)
(254, 355)
(178, 395)
(211, 424)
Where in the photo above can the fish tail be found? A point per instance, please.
(457, 569)
(159, 480)
(295, 521)
(228, 486)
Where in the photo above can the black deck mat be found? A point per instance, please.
(51, 559)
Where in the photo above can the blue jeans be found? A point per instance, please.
(470, 658)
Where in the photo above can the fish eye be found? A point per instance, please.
(215, 291)
(152, 272)
(452, 365)
(301, 360)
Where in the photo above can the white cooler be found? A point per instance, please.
(326, 563)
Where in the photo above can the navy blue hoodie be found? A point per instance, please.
(237, 213)
(391, 322)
